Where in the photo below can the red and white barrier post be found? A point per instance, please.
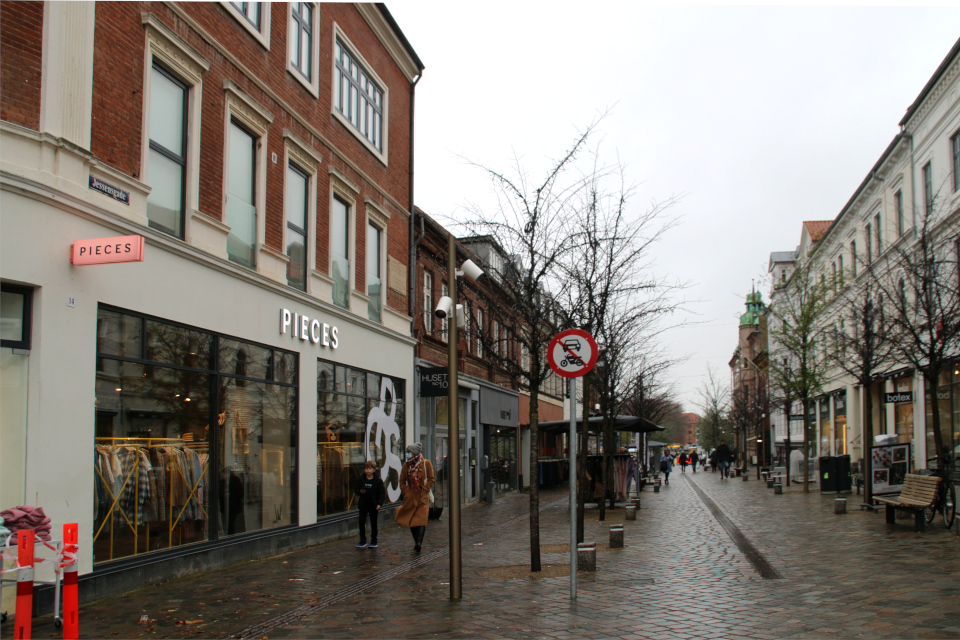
(23, 625)
(71, 600)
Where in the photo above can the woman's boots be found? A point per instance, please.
(417, 533)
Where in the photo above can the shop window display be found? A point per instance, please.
(360, 416)
(162, 476)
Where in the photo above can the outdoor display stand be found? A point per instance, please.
(64, 562)
(890, 466)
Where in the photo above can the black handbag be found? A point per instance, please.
(434, 513)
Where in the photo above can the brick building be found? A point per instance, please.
(206, 213)
(686, 434)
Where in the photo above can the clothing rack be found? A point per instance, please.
(115, 495)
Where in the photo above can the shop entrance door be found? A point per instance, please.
(503, 458)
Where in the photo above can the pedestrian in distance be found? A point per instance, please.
(684, 461)
(416, 480)
(666, 466)
(723, 460)
(694, 459)
(370, 488)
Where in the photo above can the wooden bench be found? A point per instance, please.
(919, 493)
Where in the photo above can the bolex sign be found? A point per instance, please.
(307, 329)
(434, 382)
(900, 396)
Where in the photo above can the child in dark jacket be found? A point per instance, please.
(370, 488)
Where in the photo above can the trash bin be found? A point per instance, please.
(844, 474)
(829, 474)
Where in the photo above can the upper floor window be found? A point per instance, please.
(955, 160)
(840, 268)
(866, 235)
(853, 257)
(374, 271)
(928, 188)
(167, 153)
(340, 252)
(878, 234)
(445, 322)
(254, 17)
(428, 302)
(898, 203)
(303, 52)
(241, 197)
(297, 210)
(358, 98)
(479, 333)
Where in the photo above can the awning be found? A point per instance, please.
(620, 423)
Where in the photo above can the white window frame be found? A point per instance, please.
(380, 217)
(311, 84)
(345, 189)
(479, 332)
(898, 206)
(428, 302)
(301, 155)
(243, 109)
(339, 35)
(262, 35)
(878, 232)
(178, 58)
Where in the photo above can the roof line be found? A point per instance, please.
(403, 39)
(930, 84)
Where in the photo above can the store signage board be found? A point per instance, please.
(434, 382)
(307, 329)
(897, 397)
(572, 353)
(107, 250)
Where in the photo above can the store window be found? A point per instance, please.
(903, 412)
(195, 436)
(826, 434)
(945, 404)
(360, 417)
(15, 322)
(840, 424)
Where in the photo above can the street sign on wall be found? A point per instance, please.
(572, 353)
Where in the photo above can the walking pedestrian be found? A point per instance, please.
(684, 461)
(723, 459)
(370, 488)
(694, 459)
(416, 480)
(666, 466)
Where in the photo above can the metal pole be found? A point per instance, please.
(453, 411)
(571, 391)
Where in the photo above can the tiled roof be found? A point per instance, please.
(816, 228)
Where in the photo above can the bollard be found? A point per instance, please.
(616, 536)
(656, 488)
(745, 477)
(586, 556)
(770, 484)
(23, 625)
(71, 601)
(636, 502)
(777, 489)
(840, 505)
(631, 512)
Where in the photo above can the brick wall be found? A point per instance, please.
(21, 31)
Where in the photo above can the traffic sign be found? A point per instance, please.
(572, 353)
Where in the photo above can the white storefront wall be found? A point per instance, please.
(174, 282)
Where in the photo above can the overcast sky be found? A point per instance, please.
(760, 117)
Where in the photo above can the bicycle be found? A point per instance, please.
(946, 500)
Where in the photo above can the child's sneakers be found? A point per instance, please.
(362, 544)
(373, 545)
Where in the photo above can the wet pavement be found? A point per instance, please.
(692, 566)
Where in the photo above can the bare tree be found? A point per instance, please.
(714, 425)
(799, 357)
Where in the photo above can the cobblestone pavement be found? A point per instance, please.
(680, 575)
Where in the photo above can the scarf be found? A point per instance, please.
(415, 470)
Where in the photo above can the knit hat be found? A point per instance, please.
(415, 448)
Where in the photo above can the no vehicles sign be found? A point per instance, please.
(572, 353)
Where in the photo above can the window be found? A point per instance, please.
(298, 195)
(898, 203)
(428, 302)
(840, 268)
(466, 324)
(241, 197)
(340, 252)
(479, 333)
(445, 322)
(879, 236)
(928, 188)
(303, 52)
(833, 276)
(254, 17)
(783, 275)
(869, 243)
(167, 162)
(374, 274)
(853, 257)
(358, 98)
(496, 338)
(955, 160)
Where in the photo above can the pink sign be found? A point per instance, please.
(107, 250)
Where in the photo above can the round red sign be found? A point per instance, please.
(572, 353)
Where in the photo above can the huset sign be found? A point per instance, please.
(107, 250)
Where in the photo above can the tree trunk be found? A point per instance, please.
(932, 383)
(867, 443)
(534, 478)
(608, 460)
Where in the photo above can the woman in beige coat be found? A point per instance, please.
(416, 480)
